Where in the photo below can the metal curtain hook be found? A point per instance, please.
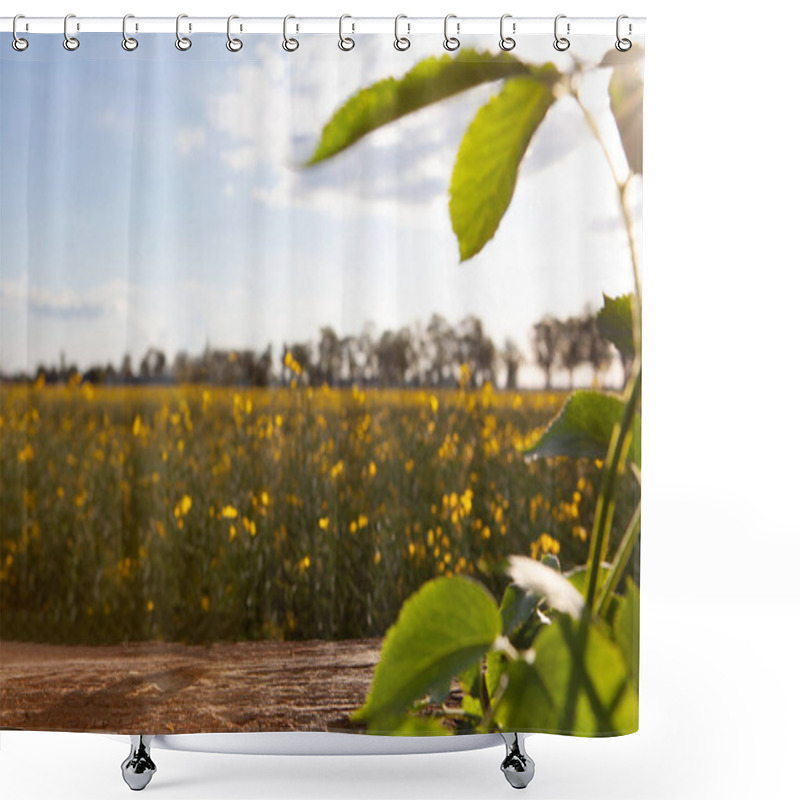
(181, 42)
(70, 42)
(18, 43)
(234, 45)
(506, 42)
(288, 44)
(128, 42)
(401, 42)
(345, 42)
(623, 45)
(451, 42)
(561, 43)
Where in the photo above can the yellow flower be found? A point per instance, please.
(150, 605)
(372, 469)
(337, 469)
(26, 454)
(231, 533)
(323, 523)
(376, 559)
(229, 512)
(264, 499)
(137, 426)
(434, 402)
(205, 603)
(183, 506)
(362, 521)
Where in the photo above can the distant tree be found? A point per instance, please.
(264, 368)
(330, 356)
(442, 351)
(512, 358)
(368, 354)
(545, 346)
(572, 345)
(153, 364)
(598, 350)
(476, 350)
(126, 370)
(349, 348)
(182, 367)
(395, 356)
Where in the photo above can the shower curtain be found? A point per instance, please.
(321, 378)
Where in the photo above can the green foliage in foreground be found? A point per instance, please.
(565, 662)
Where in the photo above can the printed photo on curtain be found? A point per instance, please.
(320, 384)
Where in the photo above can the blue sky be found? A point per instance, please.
(155, 198)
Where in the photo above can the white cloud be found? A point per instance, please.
(190, 139)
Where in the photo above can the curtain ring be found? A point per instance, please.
(181, 42)
(506, 42)
(451, 42)
(401, 43)
(234, 45)
(70, 42)
(18, 43)
(623, 45)
(561, 43)
(345, 42)
(288, 44)
(128, 42)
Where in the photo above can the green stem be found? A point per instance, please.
(601, 529)
(620, 561)
(622, 186)
(606, 501)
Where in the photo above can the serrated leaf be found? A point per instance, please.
(626, 93)
(583, 428)
(428, 82)
(537, 694)
(485, 172)
(442, 630)
(615, 323)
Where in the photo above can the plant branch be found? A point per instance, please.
(620, 561)
(604, 512)
(622, 186)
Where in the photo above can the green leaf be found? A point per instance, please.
(430, 81)
(470, 680)
(626, 92)
(418, 726)
(472, 707)
(442, 630)
(515, 607)
(615, 323)
(537, 694)
(583, 429)
(495, 665)
(626, 629)
(577, 577)
(485, 172)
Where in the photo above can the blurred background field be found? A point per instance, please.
(200, 513)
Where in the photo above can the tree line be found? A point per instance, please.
(439, 354)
